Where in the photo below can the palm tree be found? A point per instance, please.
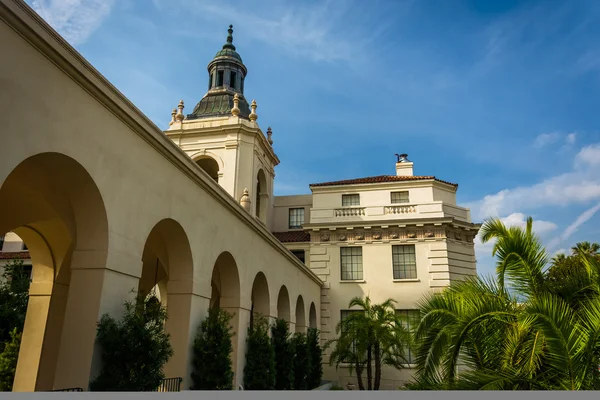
(517, 330)
(371, 334)
(585, 248)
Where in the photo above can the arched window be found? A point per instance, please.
(210, 166)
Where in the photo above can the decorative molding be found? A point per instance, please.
(377, 236)
(325, 237)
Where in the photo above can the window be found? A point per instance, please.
(410, 320)
(210, 80)
(24, 247)
(350, 200)
(399, 197)
(219, 78)
(296, 218)
(343, 315)
(299, 254)
(352, 269)
(1, 242)
(242, 85)
(232, 79)
(404, 262)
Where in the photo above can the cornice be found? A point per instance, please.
(384, 224)
(31, 27)
(382, 186)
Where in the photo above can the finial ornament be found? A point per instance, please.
(253, 116)
(269, 134)
(173, 114)
(235, 111)
(229, 43)
(179, 117)
(245, 200)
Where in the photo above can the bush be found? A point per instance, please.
(134, 348)
(14, 295)
(259, 372)
(212, 353)
(280, 338)
(8, 361)
(301, 362)
(315, 356)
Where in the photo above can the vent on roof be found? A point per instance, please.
(404, 167)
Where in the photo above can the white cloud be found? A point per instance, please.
(75, 20)
(546, 139)
(571, 229)
(571, 137)
(579, 186)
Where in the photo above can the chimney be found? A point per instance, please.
(404, 167)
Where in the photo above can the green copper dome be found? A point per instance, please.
(228, 49)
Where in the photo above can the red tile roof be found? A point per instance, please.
(381, 179)
(293, 236)
(14, 255)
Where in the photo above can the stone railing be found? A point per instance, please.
(350, 212)
(400, 209)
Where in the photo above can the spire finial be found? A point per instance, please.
(235, 111)
(253, 116)
(269, 134)
(179, 117)
(173, 114)
(229, 44)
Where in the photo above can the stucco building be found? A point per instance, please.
(299, 257)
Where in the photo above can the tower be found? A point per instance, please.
(222, 136)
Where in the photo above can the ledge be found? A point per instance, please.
(353, 281)
(407, 280)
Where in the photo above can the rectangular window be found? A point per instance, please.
(210, 80)
(220, 78)
(232, 79)
(343, 315)
(404, 262)
(399, 197)
(299, 254)
(296, 218)
(350, 200)
(242, 85)
(352, 268)
(1, 242)
(410, 320)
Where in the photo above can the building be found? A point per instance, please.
(113, 225)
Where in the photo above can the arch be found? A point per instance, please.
(210, 166)
(262, 196)
(261, 300)
(312, 316)
(53, 203)
(283, 304)
(300, 315)
(225, 282)
(167, 273)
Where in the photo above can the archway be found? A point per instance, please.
(283, 304)
(300, 318)
(225, 294)
(210, 166)
(312, 316)
(260, 297)
(262, 196)
(167, 273)
(54, 205)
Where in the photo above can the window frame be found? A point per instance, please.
(303, 259)
(408, 312)
(290, 210)
(410, 274)
(350, 196)
(220, 78)
(356, 275)
(343, 315)
(400, 193)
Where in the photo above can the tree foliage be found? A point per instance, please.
(8, 361)
(284, 354)
(315, 359)
(212, 352)
(259, 372)
(134, 348)
(301, 361)
(370, 338)
(14, 295)
(526, 328)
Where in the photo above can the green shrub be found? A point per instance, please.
(280, 338)
(8, 361)
(301, 362)
(14, 295)
(212, 352)
(134, 348)
(336, 387)
(315, 356)
(259, 372)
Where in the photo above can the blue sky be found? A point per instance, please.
(502, 97)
